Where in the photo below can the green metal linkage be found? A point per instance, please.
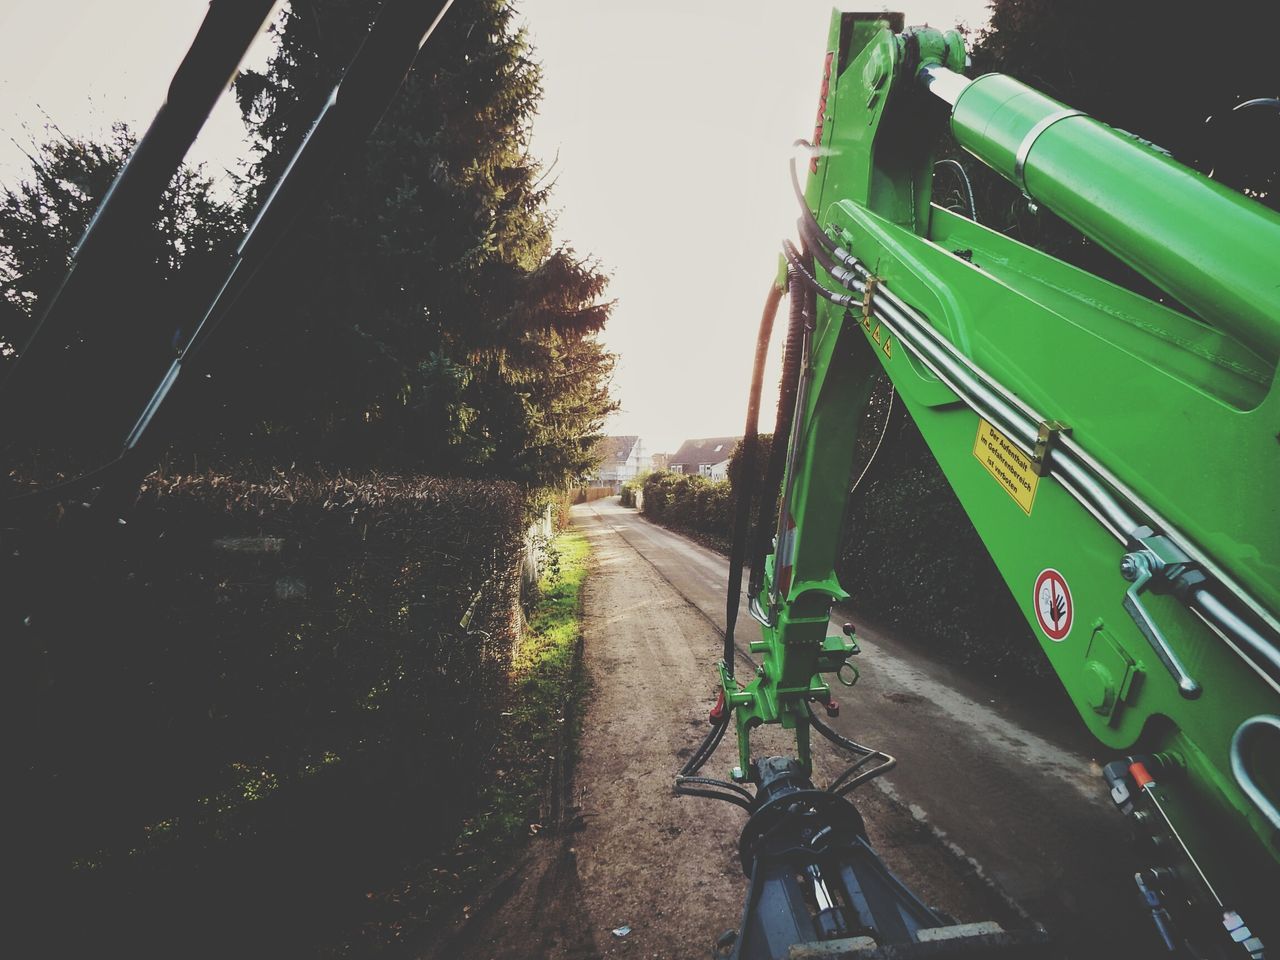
(1178, 410)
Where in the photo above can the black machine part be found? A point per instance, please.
(818, 889)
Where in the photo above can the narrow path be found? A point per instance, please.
(984, 818)
(1016, 794)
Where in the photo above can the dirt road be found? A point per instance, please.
(992, 814)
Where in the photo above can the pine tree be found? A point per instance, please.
(420, 317)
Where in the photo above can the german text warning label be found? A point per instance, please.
(1009, 465)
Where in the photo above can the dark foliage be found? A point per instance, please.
(121, 348)
(418, 318)
(692, 504)
(912, 559)
(764, 503)
(702, 506)
(1158, 71)
(263, 699)
(421, 316)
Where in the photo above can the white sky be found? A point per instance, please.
(671, 122)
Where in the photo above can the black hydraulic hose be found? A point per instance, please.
(706, 748)
(819, 252)
(718, 795)
(865, 755)
(798, 314)
(814, 233)
(687, 783)
(796, 260)
(963, 174)
(862, 778)
(742, 519)
(818, 242)
(719, 784)
(746, 492)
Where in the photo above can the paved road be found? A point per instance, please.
(1014, 793)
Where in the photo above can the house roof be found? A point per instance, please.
(613, 449)
(707, 450)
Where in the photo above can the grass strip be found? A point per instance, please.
(533, 760)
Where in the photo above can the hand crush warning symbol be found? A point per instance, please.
(1054, 610)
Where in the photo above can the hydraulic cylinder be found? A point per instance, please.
(1215, 250)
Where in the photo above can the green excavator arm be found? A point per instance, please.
(1118, 456)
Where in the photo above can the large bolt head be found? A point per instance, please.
(1129, 567)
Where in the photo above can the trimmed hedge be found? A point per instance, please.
(692, 504)
(254, 703)
(912, 560)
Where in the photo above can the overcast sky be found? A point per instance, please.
(668, 123)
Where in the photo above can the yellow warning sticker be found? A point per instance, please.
(1009, 465)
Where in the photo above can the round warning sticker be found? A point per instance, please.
(1054, 609)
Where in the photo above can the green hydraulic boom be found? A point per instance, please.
(1119, 457)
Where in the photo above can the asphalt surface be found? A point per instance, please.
(1006, 786)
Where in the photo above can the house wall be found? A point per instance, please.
(715, 471)
(617, 473)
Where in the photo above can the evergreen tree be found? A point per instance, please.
(420, 316)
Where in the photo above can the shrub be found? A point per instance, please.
(691, 503)
(628, 495)
(912, 559)
(261, 695)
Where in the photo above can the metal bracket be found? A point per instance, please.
(1024, 148)
(1156, 562)
(759, 614)
(868, 294)
(1047, 437)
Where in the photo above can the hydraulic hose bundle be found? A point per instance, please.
(801, 289)
(687, 783)
(800, 318)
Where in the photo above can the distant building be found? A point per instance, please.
(660, 462)
(708, 457)
(620, 459)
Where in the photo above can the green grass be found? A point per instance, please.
(555, 626)
(539, 726)
(547, 687)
